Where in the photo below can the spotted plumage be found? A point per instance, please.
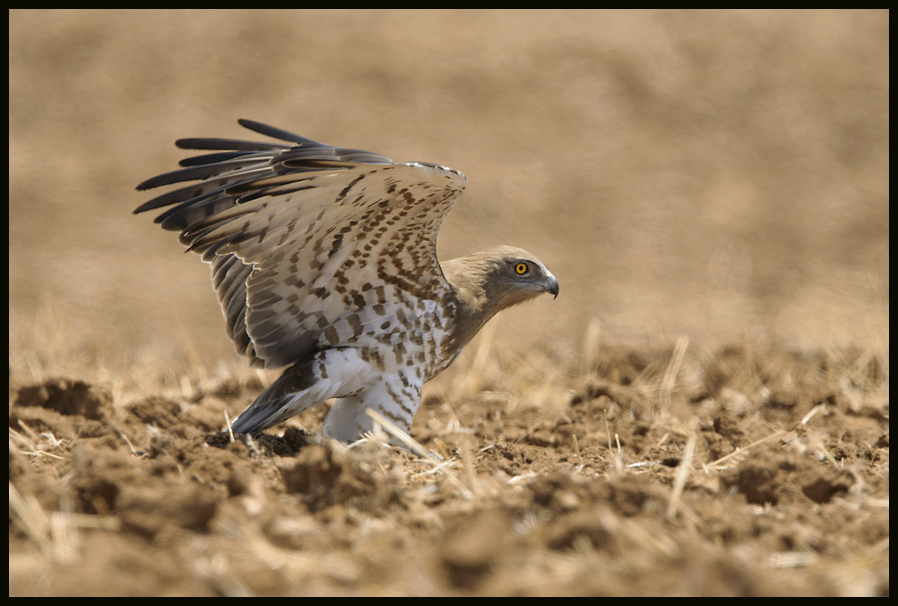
(324, 261)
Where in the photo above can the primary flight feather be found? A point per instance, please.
(324, 261)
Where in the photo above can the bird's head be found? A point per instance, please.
(500, 277)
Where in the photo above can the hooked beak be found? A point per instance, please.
(551, 286)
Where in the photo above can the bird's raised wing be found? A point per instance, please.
(309, 243)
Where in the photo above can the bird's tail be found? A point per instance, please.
(332, 373)
(292, 393)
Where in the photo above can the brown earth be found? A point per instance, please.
(704, 410)
(754, 473)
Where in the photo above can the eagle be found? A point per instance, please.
(324, 262)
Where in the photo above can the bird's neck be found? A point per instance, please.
(473, 307)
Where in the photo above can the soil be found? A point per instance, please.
(755, 473)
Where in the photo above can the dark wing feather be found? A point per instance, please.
(302, 236)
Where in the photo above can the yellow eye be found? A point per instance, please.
(521, 269)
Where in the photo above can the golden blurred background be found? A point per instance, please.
(715, 174)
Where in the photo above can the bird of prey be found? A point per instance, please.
(324, 261)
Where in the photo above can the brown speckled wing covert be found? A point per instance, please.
(309, 242)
